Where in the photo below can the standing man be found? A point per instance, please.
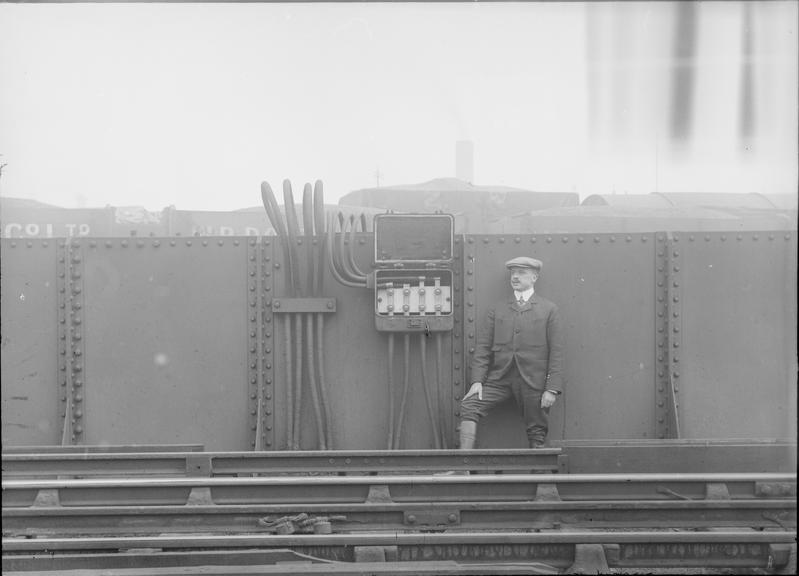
(520, 353)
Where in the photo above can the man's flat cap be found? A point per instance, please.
(524, 262)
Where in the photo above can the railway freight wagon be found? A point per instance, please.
(349, 350)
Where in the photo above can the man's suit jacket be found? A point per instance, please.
(531, 334)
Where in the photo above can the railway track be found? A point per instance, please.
(543, 552)
(428, 517)
(574, 456)
(355, 512)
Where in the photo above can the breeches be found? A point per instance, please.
(498, 390)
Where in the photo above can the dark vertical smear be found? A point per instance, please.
(746, 118)
(683, 71)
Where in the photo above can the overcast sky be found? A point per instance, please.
(194, 105)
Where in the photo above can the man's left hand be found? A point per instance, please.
(548, 399)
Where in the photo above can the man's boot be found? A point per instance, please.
(468, 434)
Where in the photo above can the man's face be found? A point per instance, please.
(522, 279)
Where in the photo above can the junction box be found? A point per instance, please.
(413, 275)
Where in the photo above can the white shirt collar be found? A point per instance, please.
(527, 294)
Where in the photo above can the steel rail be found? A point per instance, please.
(458, 489)
(316, 461)
(101, 449)
(418, 568)
(616, 515)
(398, 539)
(471, 480)
(582, 457)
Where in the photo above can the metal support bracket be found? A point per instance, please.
(286, 305)
(775, 489)
(433, 518)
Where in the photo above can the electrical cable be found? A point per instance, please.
(351, 252)
(297, 380)
(345, 255)
(319, 233)
(390, 390)
(428, 400)
(320, 238)
(332, 263)
(297, 290)
(320, 358)
(310, 336)
(320, 429)
(273, 212)
(439, 403)
(289, 382)
(405, 386)
(308, 232)
(293, 232)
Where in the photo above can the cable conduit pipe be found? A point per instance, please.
(320, 358)
(320, 429)
(273, 212)
(308, 232)
(390, 390)
(319, 232)
(440, 403)
(351, 252)
(344, 256)
(293, 233)
(297, 379)
(332, 264)
(287, 347)
(405, 385)
(426, 388)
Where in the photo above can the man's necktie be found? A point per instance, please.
(521, 301)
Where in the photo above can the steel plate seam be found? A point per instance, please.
(459, 368)
(674, 327)
(253, 357)
(64, 374)
(266, 343)
(465, 335)
(661, 323)
(75, 273)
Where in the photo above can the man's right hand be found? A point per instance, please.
(477, 388)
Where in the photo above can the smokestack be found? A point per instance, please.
(464, 160)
